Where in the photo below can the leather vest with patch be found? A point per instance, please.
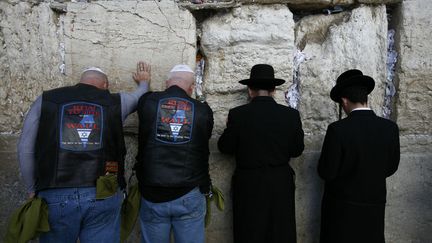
(174, 131)
(80, 137)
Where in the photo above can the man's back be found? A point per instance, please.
(172, 161)
(361, 151)
(264, 132)
(173, 141)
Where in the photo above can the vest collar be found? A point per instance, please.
(176, 90)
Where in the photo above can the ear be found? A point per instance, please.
(344, 101)
(250, 92)
(191, 89)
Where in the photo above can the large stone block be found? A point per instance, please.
(409, 204)
(233, 42)
(13, 192)
(308, 193)
(29, 58)
(415, 60)
(115, 35)
(308, 4)
(333, 44)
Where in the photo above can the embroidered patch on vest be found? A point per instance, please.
(174, 120)
(81, 126)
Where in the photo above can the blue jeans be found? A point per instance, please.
(184, 215)
(75, 213)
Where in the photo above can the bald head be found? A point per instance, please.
(183, 79)
(94, 78)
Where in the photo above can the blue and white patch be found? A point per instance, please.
(174, 120)
(81, 126)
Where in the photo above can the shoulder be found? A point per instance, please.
(147, 94)
(239, 109)
(288, 109)
(285, 111)
(204, 105)
(48, 93)
(338, 125)
(387, 123)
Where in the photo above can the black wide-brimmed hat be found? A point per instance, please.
(262, 76)
(350, 78)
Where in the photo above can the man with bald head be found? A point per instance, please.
(72, 136)
(172, 161)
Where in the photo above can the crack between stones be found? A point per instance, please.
(169, 27)
(173, 31)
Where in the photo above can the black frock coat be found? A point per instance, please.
(263, 136)
(358, 154)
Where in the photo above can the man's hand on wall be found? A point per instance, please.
(143, 72)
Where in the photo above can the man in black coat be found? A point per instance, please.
(358, 154)
(263, 136)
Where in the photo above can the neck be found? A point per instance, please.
(261, 92)
(353, 106)
(186, 89)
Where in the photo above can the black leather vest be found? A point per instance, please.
(80, 136)
(174, 131)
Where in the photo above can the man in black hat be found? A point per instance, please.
(263, 136)
(358, 154)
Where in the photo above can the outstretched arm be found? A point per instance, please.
(129, 100)
(227, 142)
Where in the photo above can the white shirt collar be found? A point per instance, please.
(361, 109)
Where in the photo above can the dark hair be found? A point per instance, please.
(255, 88)
(355, 94)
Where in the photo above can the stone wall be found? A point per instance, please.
(46, 44)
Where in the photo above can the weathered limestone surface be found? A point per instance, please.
(409, 212)
(296, 4)
(13, 191)
(415, 85)
(235, 41)
(115, 35)
(29, 59)
(333, 44)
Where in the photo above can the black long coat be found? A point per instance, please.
(358, 154)
(263, 136)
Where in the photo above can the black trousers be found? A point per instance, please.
(263, 205)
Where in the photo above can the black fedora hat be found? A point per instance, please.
(262, 76)
(350, 78)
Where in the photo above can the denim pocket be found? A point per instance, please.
(106, 209)
(57, 212)
(195, 206)
(154, 212)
